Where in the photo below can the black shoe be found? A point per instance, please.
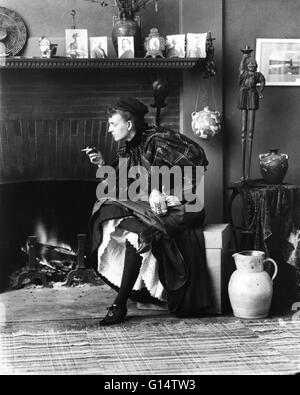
(114, 316)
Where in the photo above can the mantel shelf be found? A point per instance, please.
(81, 64)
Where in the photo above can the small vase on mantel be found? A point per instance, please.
(273, 166)
(127, 26)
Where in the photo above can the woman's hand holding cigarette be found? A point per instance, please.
(94, 155)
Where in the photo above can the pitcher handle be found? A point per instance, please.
(275, 267)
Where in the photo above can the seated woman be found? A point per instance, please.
(146, 227)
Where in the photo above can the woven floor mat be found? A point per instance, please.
(281, 335)
(167, 348)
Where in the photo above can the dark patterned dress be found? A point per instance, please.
(174, 268)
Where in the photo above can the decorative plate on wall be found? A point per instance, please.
(16, 32)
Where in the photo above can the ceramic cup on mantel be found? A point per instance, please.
(273, 166)
(250, 287)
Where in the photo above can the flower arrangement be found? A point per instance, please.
(127, 8)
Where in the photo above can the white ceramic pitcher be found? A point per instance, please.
(250, 287)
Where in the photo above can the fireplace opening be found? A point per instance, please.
(55, 212)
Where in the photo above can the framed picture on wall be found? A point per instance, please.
(279, 60)
(77, 43)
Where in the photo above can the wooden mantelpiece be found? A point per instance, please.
(205, 65)
(135, 63)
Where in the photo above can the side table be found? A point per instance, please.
(271, 220)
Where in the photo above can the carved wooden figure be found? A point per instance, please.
(248, 103)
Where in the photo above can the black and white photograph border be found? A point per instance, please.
(56, 135)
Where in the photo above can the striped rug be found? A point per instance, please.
(182, 347)
(281, 335)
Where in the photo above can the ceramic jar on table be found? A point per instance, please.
(273, 166)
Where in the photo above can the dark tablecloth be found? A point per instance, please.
(271, 214)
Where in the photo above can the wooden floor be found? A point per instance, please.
(35, 309)
(64, 307)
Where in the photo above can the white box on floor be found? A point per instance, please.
(217, 236)
(219, 264)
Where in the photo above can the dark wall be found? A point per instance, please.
(277, 120)
(197, 92)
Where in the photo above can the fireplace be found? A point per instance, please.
(47, 117)
(62, 207)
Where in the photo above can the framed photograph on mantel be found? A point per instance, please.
(98, 47)
(76, 43)
(279, 60)
(196, 45)
(176, 46)
(126, 47)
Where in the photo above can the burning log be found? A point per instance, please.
(54, 257)
(57, 248)
(46, 262)
(30, 272)
(51, 251)
(59, 257)
(51, 261)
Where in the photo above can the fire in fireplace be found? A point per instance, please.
(54, 213)
(53, 254)
(50, 261)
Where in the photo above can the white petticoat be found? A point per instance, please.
(111, 257)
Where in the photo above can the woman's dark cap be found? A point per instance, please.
(131, 104)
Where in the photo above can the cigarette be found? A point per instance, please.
(88, 149)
